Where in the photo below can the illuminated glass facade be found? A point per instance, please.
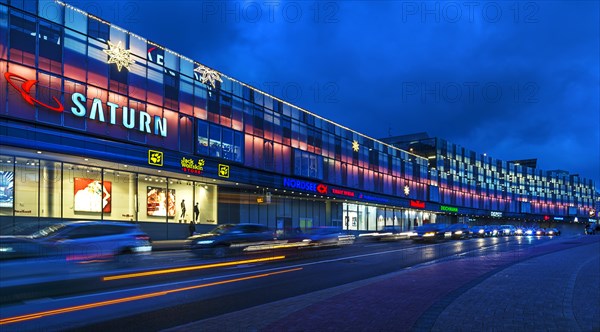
(509, 188)
(89, 106)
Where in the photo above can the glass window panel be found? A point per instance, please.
(75, 55)
(7, 185)
(205, 199)
(49, 87)
(3, 32)
(186, 134)
(22, 38)
(98, 30)
(97, 64)
(186, 67)
(157, 202)
(215, 140)
(70, 120)
(122, 195)
(75, 20)
(202, 138)
(51, 11)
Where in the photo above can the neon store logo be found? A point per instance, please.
(305, 185)
(96, 111)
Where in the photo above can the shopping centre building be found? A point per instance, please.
(98, 123)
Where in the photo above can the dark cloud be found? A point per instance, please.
(512, 79)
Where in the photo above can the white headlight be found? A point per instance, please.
(205, 242)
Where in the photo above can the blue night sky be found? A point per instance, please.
(513, 79)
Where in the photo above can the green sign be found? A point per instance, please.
(448, 208)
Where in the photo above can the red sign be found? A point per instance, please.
(322, 189)
(342, 192)
(417, 204)
(25, 89)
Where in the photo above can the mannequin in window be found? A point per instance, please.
(182, 216)
(196, 212)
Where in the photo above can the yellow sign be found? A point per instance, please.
(223, 171)
(155, 158)
(260, 199)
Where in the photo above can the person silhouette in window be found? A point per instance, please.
(196, 212)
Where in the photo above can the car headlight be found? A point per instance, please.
(481, 231)
(458, 232)
(429, 234)
(205, 242)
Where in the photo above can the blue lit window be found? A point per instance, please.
(308, 164)
(217, 141)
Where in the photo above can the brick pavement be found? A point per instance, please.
(535, 289)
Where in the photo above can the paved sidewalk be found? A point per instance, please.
(541, 288)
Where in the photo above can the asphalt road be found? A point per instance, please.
(197, 289)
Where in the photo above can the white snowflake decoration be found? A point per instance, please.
(119, 55)
(208, 75)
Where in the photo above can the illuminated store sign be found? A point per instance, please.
(372, 198)
(223, 171)
(496, 214)
(417, 204)
(155, 158)
(448, 208)
(189, 166)
(559, 218)
(128, 114)
(305, 185)
(99, 111)
(341, 192)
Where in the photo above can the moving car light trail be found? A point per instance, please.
(190, 268)
(42, 314)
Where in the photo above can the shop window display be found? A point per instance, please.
(85, 195)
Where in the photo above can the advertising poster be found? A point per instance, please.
(7, 183)
(92, 195)
(161, 202)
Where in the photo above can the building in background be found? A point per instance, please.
(98, 123)
(506, 189)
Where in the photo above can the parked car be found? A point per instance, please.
(552, 232)
(429, 232)
(458, 231)
(95, 240)
(540, 232)
(228, 239)
(506, 230)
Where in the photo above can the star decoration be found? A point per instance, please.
(119, 55)
(406, 190)
(355, 146)
(208, 75)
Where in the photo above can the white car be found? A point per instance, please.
(95, 240)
